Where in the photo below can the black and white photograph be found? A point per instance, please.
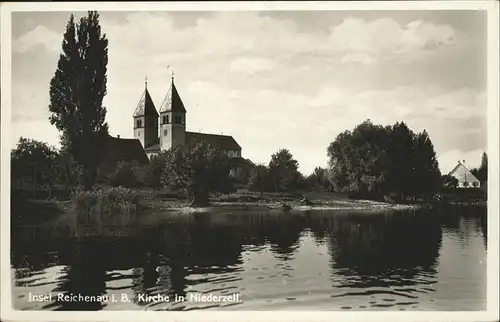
(271, 160)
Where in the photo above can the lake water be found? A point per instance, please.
(273, 261)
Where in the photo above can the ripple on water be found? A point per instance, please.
(372, 294)
(382, 305)
(278, 275)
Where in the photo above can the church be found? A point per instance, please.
(156, 131)
(161, 130)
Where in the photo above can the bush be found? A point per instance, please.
(123, 173)
(126, 174)
(102, 202)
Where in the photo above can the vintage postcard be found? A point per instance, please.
(249, 161)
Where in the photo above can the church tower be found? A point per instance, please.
(172, 120)
(146, 120)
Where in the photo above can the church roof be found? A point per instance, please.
(154, 147)
(224, 142)
(146, 105)
(124, 150)
(172, 101)
(241, 163)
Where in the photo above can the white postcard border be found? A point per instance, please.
(491, 314)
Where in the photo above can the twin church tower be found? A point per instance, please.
(166, 129)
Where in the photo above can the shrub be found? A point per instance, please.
(103, 203)
(126, 174)
(449, 181)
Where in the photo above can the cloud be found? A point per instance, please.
(39, 36)
(449, 159)
(251, 65)
(367, 42)
(29, 104)
(460, 104)
(235, 33)
(358, 58)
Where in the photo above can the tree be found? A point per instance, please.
(125, 175)
(245, 168)
(259, 179)
(358, 160)
(153, 172)
(318, 180)
(77, 91)
(35, 161)
(339, 154)
(401, 155)
(483, 169)
(283, 171)
(198, 169)
(449, 181)
(69, 171)
(426, 173)
(373, 160)
(481, 173)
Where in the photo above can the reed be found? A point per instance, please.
(105, 205)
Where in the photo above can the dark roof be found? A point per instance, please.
(172, 101)
(224, 142)
(124, 150)
(146, 106)
(154, 146)
(241, 163)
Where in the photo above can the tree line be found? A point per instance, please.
(375, 160)
(197, 170)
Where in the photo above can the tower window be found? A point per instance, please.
(164, 119)
(167, 119)
(138, 123)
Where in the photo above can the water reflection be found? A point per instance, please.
(373, 246)
(388, 254)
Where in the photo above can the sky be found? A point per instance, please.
(281, 79)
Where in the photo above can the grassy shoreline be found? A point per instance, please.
(28, 210)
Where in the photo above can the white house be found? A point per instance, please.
(465, 178)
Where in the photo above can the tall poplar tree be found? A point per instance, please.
(77, 91)
(483, 169)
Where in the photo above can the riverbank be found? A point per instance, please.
(293, 205)
(29, 210)
(245, 200)
(26, 209)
